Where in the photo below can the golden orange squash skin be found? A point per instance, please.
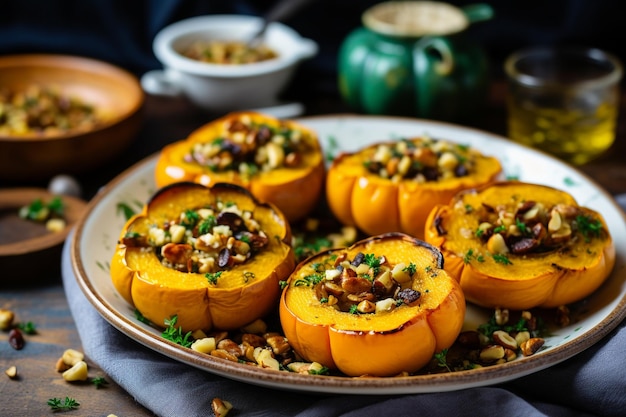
(378, 205)
(159, 292)
(534, 280)
(295, 191)
(381, 344)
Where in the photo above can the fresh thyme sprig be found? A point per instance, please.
(57, 404)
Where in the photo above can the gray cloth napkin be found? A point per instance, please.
(593, 383)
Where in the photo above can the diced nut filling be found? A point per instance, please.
(206, 240)
(363, 285)
(228, 53)
(507, 336)
(249, 148)
(255, 346)
(421, 160)
(529, 227)
(43, 110)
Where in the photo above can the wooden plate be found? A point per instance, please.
(28, 251)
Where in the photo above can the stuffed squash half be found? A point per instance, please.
(518, 245)
(392, 186)
(380, 307)
(278, 161)
(212, 257)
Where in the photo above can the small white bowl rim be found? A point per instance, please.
(164, 51)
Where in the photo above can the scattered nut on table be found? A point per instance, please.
(78, 372)
(11, 372)
(220, 407)
(6, 319)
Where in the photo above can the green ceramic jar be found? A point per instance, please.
(413, 58)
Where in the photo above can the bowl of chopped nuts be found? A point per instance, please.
(209, 60)
(34, 223)
(63, 114)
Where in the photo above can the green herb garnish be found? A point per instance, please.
(411, 269)
(212, 277)
(206, 225)
(190, 220)
(57, 404)
(126, 210)
(99, 382)
(442, 360)
(373, 262)
(309, 280)
(588, 226)
(28, 327)
(322, 371)
(501, 259)
(175, 334)
(140, 317)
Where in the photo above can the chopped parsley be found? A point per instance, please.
(373, 262)
(212, 277)
(191, 218)
(309, 280)
(39, 211)
(206, 225)
(588, 226)
(501, 259)
(411, 269)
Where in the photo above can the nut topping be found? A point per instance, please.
(204, 240)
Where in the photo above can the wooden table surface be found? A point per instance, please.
(44, 303)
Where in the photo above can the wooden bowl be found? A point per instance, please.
(28, 251)
(114, 93)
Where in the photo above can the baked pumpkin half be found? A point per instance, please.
(213, 257)
(279, 161)
(380, 307)
(518, 245)
(392, 186)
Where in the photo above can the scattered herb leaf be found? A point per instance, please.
(99, 382)
(57, 404)
(126, 210)
(28, 327)
(442, 360)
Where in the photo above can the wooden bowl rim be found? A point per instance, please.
(83, 64)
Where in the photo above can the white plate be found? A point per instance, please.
(95, 239)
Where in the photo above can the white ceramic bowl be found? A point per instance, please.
(225, 87)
